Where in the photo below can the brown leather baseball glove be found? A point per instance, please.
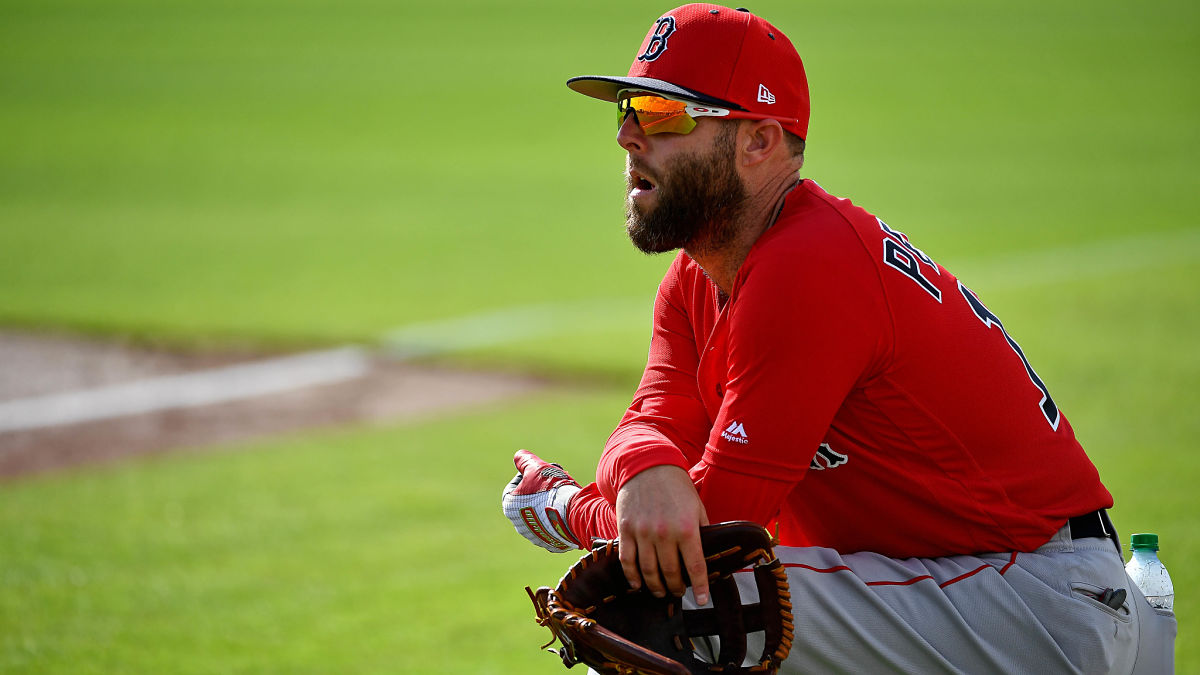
(616, 630)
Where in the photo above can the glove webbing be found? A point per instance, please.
(732, 626)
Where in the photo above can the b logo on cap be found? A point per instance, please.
(658, 41)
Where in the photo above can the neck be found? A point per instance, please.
(721, 263)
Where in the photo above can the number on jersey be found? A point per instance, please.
(900, 254)
(1049, 409)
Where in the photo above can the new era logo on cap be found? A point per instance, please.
(765, 95)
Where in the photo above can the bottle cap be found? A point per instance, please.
(1146, 540)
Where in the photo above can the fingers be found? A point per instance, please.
(654, 560)
(659, 515)
(672, 571)
(513, 484)
(641, 561)
(627, 553)
(697, 568)
(524, 458)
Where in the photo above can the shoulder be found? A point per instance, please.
(811, 215)
(811, 287)
(816, 234)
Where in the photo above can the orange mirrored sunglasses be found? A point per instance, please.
(657, 114)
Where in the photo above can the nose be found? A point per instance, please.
(630, 135)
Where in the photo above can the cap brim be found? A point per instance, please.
(606, 89)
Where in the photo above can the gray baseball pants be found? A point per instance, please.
(993, 613)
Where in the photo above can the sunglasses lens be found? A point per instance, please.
(657, 115)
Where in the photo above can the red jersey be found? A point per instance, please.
(852, 390)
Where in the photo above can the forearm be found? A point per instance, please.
(591, 516)
(634, 447)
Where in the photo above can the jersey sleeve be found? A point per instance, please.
(666, 422)
(591, 516)
(808, 322)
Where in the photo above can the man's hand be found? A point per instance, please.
(535, 502)
(659, 515)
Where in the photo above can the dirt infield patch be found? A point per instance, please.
(39, 365)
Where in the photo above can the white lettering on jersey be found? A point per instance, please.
(735, 433)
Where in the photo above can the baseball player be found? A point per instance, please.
(814, 370)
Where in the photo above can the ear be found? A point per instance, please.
(758, 140)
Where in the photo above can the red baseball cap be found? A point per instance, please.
(711, 54)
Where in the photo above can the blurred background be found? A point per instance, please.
(209, 182)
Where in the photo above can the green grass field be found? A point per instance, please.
(305, 173)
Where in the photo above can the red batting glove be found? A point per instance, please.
(535, 502)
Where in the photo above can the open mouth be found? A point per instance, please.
(639, 182)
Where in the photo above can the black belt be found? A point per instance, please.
(1094, 524)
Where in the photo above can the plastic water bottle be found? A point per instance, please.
(1148, 572)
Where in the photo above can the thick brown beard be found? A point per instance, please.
(699, 201)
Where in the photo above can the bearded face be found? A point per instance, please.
(698, 199)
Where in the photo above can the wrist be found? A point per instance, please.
(646, 467)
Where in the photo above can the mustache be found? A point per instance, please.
(632, 167)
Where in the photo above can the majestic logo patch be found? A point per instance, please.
(765, 95)
(663, 28)
(735, 433)
(832, 458)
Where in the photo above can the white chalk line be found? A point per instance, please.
(1080, 262)
(513, 324)
(218, 385)
(509, 325)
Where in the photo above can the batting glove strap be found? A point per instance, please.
(541, 517)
